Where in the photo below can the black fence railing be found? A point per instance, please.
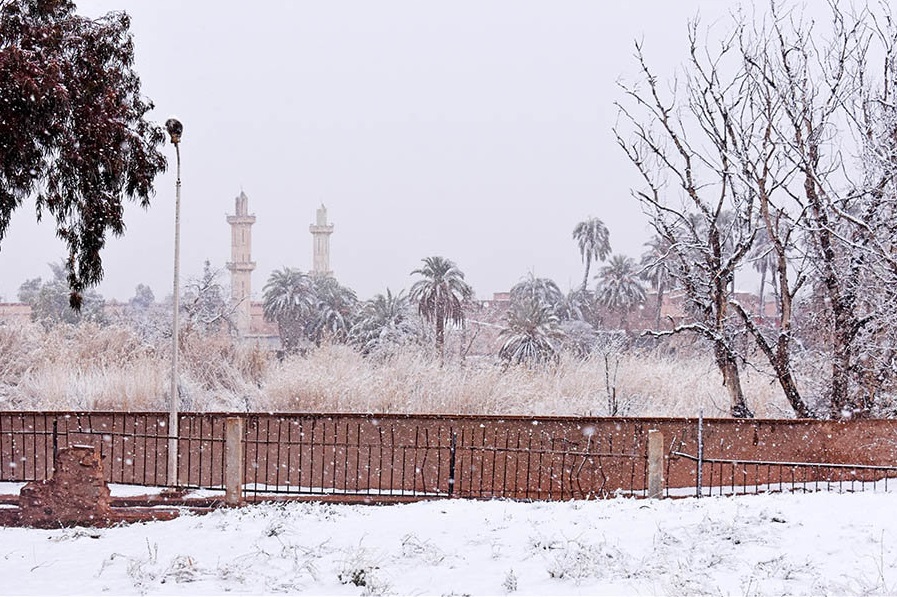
(519, 464)
(353, 456)
(381, 456)
(732, 477)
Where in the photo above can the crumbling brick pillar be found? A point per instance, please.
(77, 493)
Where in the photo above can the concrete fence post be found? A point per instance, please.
(655, 464)
(233, 461)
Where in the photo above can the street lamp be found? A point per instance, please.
(175, 128)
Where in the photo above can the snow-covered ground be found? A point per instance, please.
(749, 545)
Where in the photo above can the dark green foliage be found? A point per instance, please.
(72, 127)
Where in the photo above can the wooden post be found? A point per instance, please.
(233, 461)
(655, 464)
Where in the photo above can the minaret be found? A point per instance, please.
(241, 264)
(320, 232)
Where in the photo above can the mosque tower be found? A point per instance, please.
(241, 264)
(320, 232)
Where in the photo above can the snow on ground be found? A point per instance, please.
(748, 545)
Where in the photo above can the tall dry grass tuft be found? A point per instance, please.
(78, 367)
(99, 368)
(337, 379)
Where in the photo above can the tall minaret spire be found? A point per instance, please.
(241, 264)
(320, 232)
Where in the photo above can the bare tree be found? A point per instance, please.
(793, 130)
(830, 127)
(205, 305)
(680, 141)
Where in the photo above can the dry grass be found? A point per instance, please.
(96, 368)
(337, 379)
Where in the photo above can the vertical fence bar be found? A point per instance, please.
(392, 457)
(506, 491)
(519, 454)
(700, 476)
(345, 447)
(290, 477)
(453, 446)
(357, 446)
(302, 453)
(55, 440)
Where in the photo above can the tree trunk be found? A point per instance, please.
(782, 366)
(440, 337)
(839, 283)
(842, 405)
(585, 278)
(728, 366)
(779, 357)
(659, 308)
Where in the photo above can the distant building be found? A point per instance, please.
(241, 263)
(320, 232)
(250, 316)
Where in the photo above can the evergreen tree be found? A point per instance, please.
(72, 125)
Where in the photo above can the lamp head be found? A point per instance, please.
(174, 128)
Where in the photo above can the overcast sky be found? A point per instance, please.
(479, 131)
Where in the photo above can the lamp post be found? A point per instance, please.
(175, 128)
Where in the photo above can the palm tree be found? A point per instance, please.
(532, 333)
(288, 298)
(440, 295)
(333, 310)
(383, 321)
(656, 270)
(542, 290)
(579, 337)
(765, 262)
(619, 288)
(593, 239)
(580, 305)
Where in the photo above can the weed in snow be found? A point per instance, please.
(360, 568)
(142, 571)
(510, 583)
(182, 569)
(415, 548)
(578, 560)
(76, 533)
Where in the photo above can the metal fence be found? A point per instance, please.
(434, 457)
(381, 456)
(733, 477)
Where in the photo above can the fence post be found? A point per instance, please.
(452, 449)
(655, 464)
(699, 480)
(233, 461)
